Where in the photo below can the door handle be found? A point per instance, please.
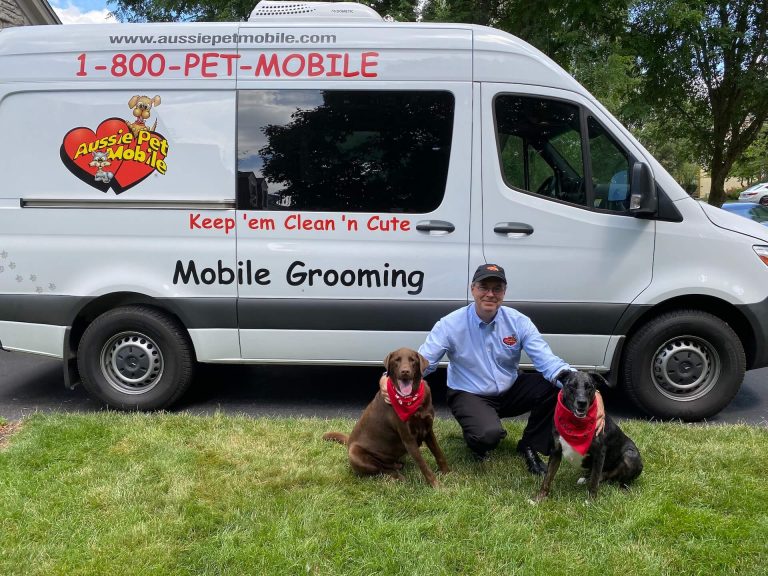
(435, 227)
(515, 229)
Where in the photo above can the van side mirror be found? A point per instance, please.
(644, 201)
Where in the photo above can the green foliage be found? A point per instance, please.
(177, 494)
(226, 10)
(704, 66)
(181, 10)
(676, 153)
(752, 167)
(567, 31)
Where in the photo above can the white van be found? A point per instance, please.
(315, 186)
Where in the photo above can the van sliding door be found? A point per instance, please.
(353, 219)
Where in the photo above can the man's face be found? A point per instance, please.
(488, 295)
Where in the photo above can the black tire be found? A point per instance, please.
(135, 358)
(764, 200)
(686, 364)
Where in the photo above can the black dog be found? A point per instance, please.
(610, 455)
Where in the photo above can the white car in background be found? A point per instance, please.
(756, 193)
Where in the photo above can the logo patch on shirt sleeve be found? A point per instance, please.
(509, 340)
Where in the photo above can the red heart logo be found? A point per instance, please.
(127, 163)
(139, 163)
(79, 144)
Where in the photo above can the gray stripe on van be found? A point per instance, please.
(62, 310)
(414, 316)
(306, 314)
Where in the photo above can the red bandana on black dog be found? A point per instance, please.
(405, 406)
(578, 432)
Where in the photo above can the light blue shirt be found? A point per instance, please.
(483, 358)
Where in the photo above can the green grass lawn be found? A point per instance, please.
(177, 494)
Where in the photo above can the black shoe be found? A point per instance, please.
(532, 460)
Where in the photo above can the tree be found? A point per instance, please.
(704, 67)
(226, 10)
(181, 10)
(562, 29)
(752, 167)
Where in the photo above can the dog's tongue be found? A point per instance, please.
(406, 387)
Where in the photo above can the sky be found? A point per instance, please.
(81, 11)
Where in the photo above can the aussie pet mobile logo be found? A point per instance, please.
(119, 153)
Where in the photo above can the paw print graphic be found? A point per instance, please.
(19, 278)
(39, 289)
(3, 254)
(12, 265)
(2, 269)
(33, 277)
(51, 286)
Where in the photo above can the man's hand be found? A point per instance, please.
(600, 424)
(383, 388)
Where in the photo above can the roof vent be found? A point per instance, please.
(286, 10)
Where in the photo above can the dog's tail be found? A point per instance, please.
(336, 437)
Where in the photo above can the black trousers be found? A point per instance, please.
(480, 416)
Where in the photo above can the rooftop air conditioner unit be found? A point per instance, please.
(312, 11)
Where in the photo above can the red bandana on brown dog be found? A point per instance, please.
(405, 406)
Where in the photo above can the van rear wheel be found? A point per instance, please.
(135, 358)
(686, 364)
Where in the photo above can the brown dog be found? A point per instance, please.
(381, 437)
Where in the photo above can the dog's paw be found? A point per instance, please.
(536, 499)
(581, 481)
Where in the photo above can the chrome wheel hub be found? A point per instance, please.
(685, 368)
(132, 363)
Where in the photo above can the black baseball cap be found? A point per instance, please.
(489, 271)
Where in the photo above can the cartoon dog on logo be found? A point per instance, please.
(100, 160)
(141, 106)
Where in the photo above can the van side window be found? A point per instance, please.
(610, 169)
(540, 147)
(343, 150)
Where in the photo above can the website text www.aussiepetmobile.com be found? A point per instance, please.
(223, 39)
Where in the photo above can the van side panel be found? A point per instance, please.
(117, 204)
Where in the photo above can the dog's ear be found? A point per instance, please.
(156, 101)
(132, 102)
(598, 379)
(423, 363)
(564, 376)
(386, 361)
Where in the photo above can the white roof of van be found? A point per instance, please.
(459, 51)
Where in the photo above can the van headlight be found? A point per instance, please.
(762, 253)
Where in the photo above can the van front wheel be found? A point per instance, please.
(135, 358)
(686, 364)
